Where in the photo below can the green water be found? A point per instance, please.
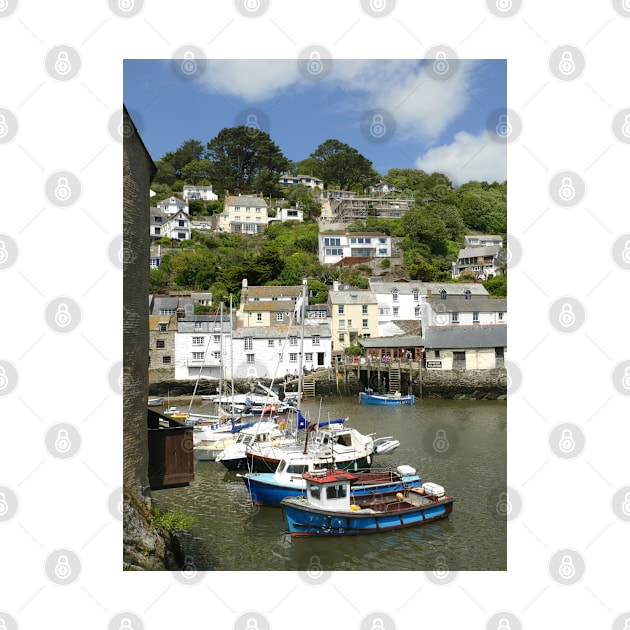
(230, 534)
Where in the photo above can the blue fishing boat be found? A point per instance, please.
(330, 509)
(368, 397)
(288, 480)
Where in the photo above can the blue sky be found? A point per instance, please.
(435, 125)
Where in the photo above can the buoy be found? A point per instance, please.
(354, 507)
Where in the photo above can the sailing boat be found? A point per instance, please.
(343, 445)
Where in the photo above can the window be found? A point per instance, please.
(250, 358)
(168, 311)
(198, 356)
(349, 323)
(395, 311)
(342, 323)
(157, 231)
(216, 338)
(364, 309)
(308, 356)
(315, 340)
(249, 343)
(293, 357)
(341, 337)
(197, 341)
(293, 341)
(454, 318)
(500, 317)
(160, 343)
(279, 317)
(416, 295)
(197, 326)
(158, 220)
(364, 323)
(181, 223)
(166, 360)
(416, 311)
(436, 354)
(271, 343)
(395, 295)
(162, 327)
(259, 317)
(314, 491)
(336, 491)
(443, 294)
(475, 317)
(340, 309)
(216, 355)
(467, 294)
(181, 235)
(332, 242)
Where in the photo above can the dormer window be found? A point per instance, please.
(443, 294)
(467, 294)
(395, 295)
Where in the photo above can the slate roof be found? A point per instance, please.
(492, 336)
(269, 292)
(402, 341)
(458, 304)
(281, 332)
(479, 251)
(352, 297)
(247, 201)
(407, 288)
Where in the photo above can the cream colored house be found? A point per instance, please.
(354, 316)
(242, 214)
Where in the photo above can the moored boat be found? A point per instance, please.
(288, 480)
(330, 509)
(371, 398)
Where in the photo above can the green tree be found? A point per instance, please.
(342, 164)
(172, 164)
(243, 160)
(304, 199)
(420, 225)
(496, 286)
(197, 171)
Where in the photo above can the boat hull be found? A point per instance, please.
(264, 490)
(386, 399)
(267, 464)
(305, 520)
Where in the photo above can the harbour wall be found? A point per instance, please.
(349, 380)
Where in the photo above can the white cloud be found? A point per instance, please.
(421, 106)
(467, 158)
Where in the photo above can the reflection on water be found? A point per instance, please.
(458, 444)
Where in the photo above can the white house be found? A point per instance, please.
(463, 310)
(288, 179)
(242, 214)
(172, 205)
(287, 214)
(335, 246)
(482, 240)
(199, 193)
(483, 261)
(465, 347)
(202, 347)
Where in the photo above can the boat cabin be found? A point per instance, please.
(329, 489)
(297, 464)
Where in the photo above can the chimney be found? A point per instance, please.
(335, 285)
(428, 291)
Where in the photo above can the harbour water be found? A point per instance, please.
(460, 444)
